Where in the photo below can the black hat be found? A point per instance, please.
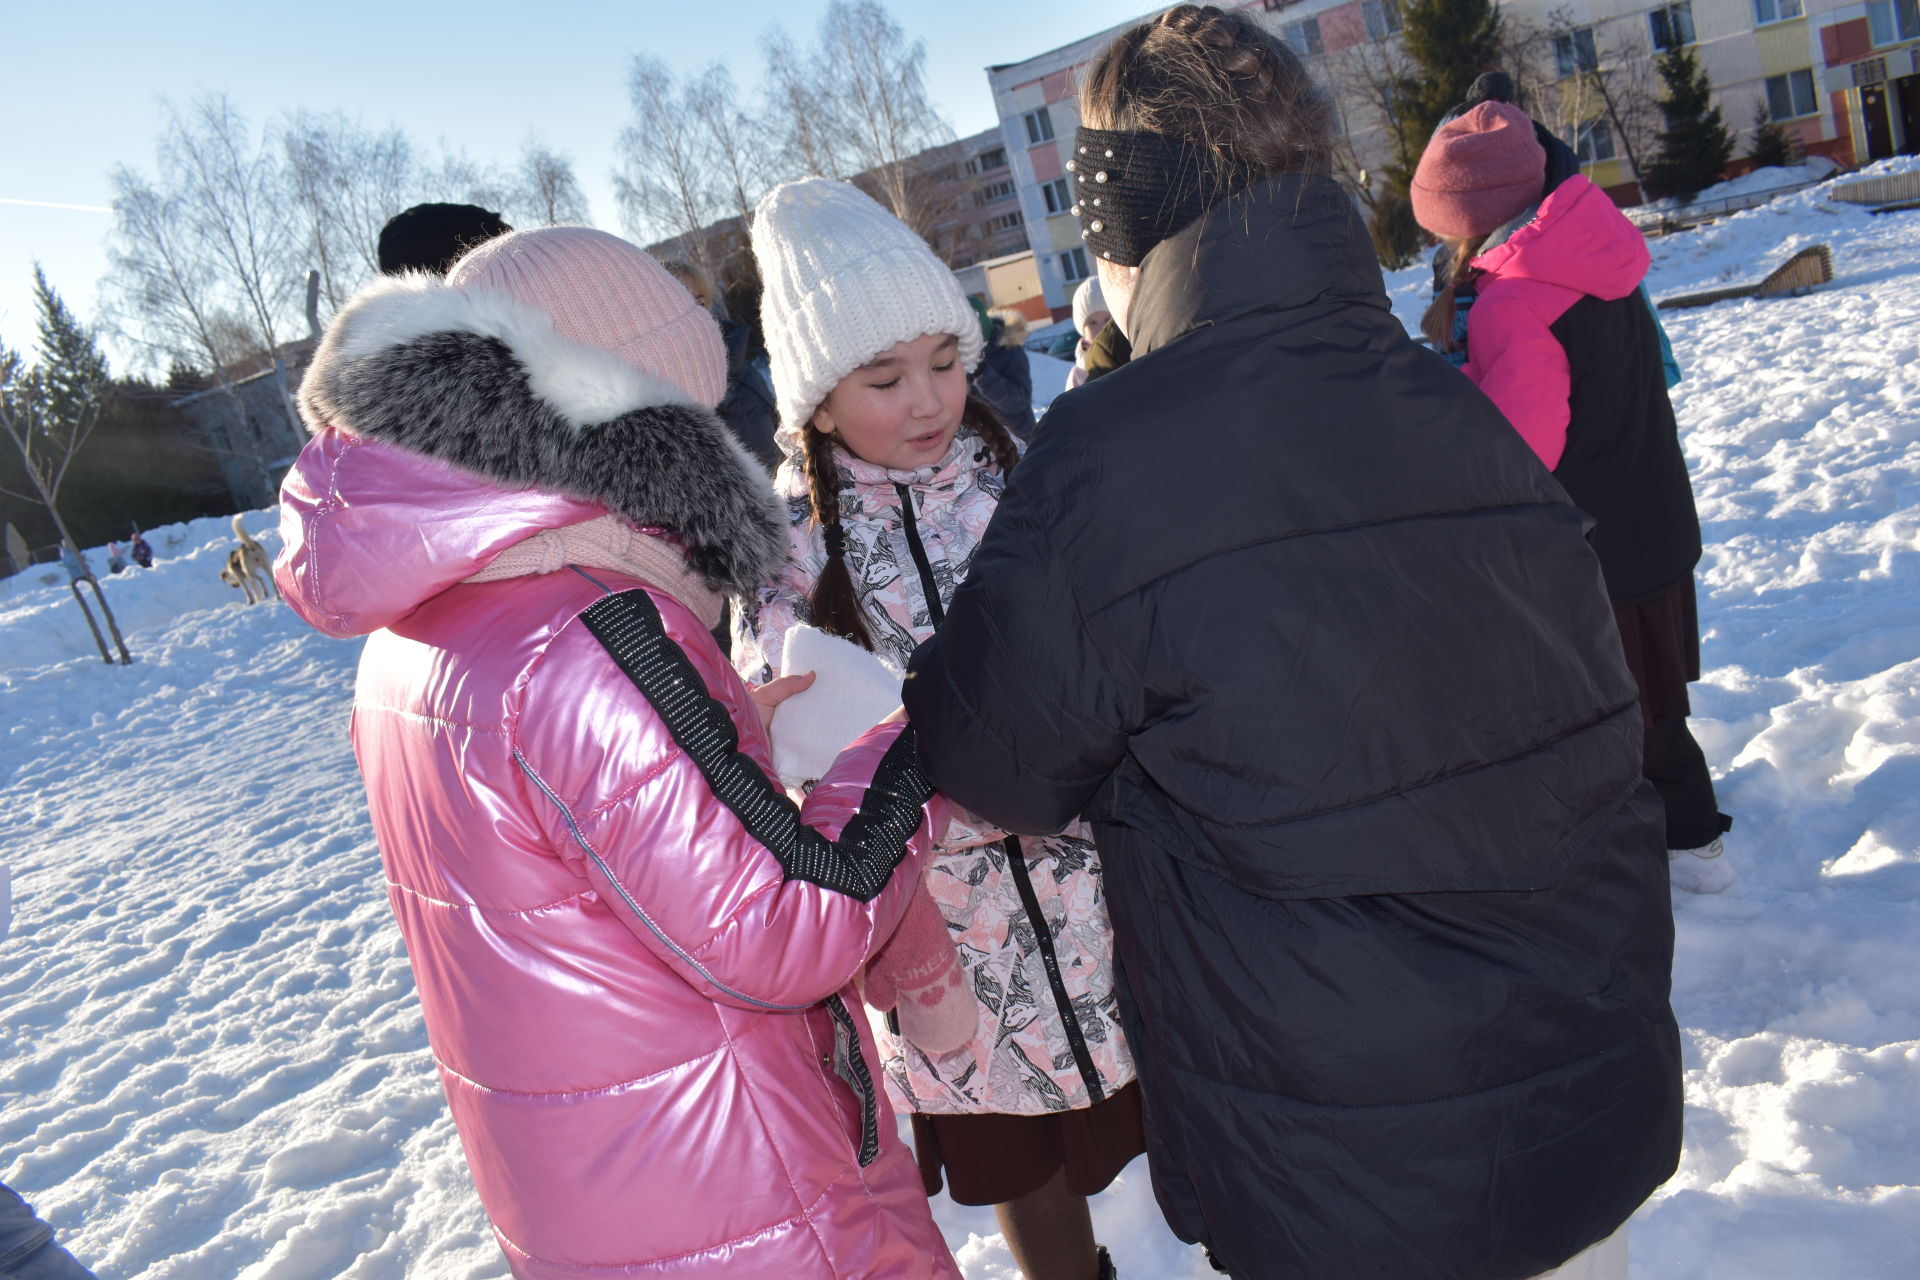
(430, 237)
(1491, 86)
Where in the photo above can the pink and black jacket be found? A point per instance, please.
(634, 954)
(1561, 339)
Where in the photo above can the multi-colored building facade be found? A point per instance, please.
(1840, 77)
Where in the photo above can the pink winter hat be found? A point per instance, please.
(1480, 169)
(603, 292)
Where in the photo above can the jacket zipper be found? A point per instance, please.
(1043, 939)
(936, 611)
(1016, 857)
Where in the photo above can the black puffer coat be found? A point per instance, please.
(1295, 617)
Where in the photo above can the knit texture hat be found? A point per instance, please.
(844, 280)
(603, 292)
(1087, 299)
(1480, 169)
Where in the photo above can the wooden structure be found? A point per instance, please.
(1800, 274)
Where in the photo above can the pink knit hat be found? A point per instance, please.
(1480, 169)
(604, 292)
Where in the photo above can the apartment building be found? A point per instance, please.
(1841, 77)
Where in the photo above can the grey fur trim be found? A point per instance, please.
(467, 399)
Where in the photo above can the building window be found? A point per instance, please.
(1573, 51)
(1765, 11)
(1275, 6)
(1892, 21)
(1672, 25)
(1056, 195)
(1383, 18)
(1593, 142)
(1304, 37)
(1073, 265)
(1791, 95)
(1004, 222)
(995, 191)
(1039, 127)
(994, 159)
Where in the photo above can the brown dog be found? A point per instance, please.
(249, 568)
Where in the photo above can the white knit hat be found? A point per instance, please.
(844, 280)
(1087, 299)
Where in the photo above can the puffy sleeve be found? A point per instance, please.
(1014, 703)
(636, 772)
(1514, 358)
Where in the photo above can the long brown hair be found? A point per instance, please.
(1437, 324)
(1219, 81)
(834, 605)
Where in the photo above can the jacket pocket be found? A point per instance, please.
(850, 1065)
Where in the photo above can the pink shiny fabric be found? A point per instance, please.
(621, 988)
(1578, 245)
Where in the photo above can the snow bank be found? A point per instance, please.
(40, 624)
(214, 1064)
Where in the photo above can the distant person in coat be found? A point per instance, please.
(1090, 320)
(635, 954)
(429, 237)
(142, 553)
(1320, 649)
(1004, 379)
(748, 406)
(1548, 320)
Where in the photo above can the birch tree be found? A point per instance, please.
(661, 179)
(47, 412)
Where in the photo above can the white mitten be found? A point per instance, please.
(852, 691)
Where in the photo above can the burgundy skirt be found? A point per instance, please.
(991, 1159)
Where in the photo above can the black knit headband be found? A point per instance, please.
(1133, 190)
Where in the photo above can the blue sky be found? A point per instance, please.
(84, 82)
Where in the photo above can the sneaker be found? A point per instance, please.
(1702, 870)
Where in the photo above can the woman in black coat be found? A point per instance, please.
(1288, 610)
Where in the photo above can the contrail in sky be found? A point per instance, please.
(54, 204)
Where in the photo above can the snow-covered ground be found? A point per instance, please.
(211, 1057)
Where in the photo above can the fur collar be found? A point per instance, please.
(480, 380)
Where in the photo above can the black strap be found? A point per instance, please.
(873, 843)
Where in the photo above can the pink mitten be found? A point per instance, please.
(918, 975)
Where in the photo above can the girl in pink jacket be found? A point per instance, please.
(891, 477)
(1546, 313)
(634, 954)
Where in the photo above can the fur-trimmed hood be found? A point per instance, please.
(510, 428)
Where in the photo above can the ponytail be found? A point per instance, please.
(834, 605)
(1437, 323)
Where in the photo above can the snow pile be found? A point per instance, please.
(40, 623)
(214, 1064)
(1751, 183)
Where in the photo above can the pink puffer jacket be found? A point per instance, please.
(636, 990)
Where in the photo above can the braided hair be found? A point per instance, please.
(834, 605)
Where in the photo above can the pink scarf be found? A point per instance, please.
(610, 543)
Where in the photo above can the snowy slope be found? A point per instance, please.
(212, 1063)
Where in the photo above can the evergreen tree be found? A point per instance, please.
(48, 411)
(1449, 42)
(1771, 145)
(1696, 144)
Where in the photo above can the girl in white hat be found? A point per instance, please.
(892, 473)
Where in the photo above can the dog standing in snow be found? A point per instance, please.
(249, 568)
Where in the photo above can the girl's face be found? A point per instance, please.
(901, 410)
(1095, 323)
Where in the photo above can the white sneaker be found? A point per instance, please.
(1703, 870)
